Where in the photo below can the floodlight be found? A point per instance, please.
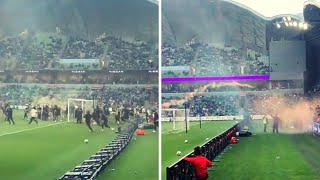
(289, 18)
(295, 24)
(278, 25)
(305, 26)
(290, 24)
(301, 25)
(286, 23)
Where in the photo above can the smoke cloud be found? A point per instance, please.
(294, 111)
(189, 96)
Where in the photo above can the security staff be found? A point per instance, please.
(265, 123)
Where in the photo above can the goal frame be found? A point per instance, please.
(184, 118)
(77, 100)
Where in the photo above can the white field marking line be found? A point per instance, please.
(16, 132)
(179, 131)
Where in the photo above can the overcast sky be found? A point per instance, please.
(271, 8)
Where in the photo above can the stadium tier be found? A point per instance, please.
(62, 52)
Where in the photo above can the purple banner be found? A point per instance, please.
(217, 78)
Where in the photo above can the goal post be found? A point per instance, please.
(180, 118)
(83, 103)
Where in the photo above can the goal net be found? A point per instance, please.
(179, 118)
(73, 104)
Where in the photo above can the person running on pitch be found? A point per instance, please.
(34, 115)
(117, 116)
(26, 111)
(87, 118)
(96, 115)
(156, 121)
(78, 114)
(200, 164)
(9, 115)
(104, 120)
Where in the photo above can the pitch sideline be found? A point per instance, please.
(16, 132)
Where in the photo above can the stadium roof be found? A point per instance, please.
(154, 1)
(311, 11)
(268, 13)
(312, 16)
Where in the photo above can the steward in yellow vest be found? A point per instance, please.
(265, 123)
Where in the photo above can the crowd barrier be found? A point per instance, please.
(91, 168)
(316, 128)
(211, 149)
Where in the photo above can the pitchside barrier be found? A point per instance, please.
(316, 128)
(92, 167)
(211, 149)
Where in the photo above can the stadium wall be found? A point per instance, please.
(287, 60)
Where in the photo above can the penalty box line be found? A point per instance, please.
(16, 132)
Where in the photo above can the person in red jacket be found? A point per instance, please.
(200, 164)
(233, 140)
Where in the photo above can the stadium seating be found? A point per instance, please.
(229, 105)
(43, 52)
(214, 61)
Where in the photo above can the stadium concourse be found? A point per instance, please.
(77, 78)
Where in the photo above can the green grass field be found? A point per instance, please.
(49, 149)
(139, 161)
(171, 143)
(254, 158)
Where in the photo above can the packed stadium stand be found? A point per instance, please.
(76, 39)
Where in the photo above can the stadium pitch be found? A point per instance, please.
(49, 149)
(138, 161)
(267, 156)
(173, 142)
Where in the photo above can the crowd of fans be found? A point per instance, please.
(51, 102)
(79, 48)
(30, 51)
(232, 105)
(181, 88)
(215, 61)
(20, 95)
(178, 56)
(219, 105)
(126, 55)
